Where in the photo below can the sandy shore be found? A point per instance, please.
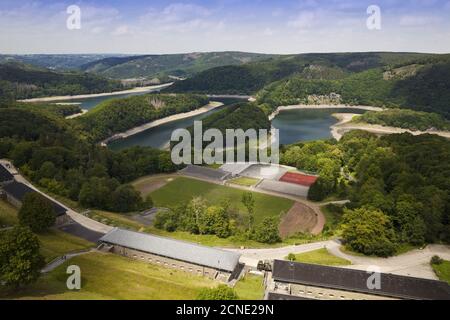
(321, 106)
(212, 105)
(73, 116)
(96, 95)
(344, 125)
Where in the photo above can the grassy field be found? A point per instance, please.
(442, 271)
(182, 190)
(107, 276)
(244, 181)
(55, 243)
(250, 287)
(322, 257)
(8, 214)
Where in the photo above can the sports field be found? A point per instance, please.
(298, 178)
(182, 190)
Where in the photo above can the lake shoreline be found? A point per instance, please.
(345, 125)
(98, 95)
(321, 107)
(155, 123)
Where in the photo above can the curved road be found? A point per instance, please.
(415, 263)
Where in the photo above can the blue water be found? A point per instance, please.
(294, 125)
(90, 103)
(306, 125)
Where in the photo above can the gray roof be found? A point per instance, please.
(5, 175)
(174, 249)
(356, 280)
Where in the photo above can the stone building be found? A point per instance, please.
(213, 263)
(332, 283)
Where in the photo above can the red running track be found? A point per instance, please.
(298, 178)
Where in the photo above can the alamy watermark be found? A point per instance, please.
(373, 22)
(74, 280)
(374, 280)
(73, 22)
(237, 141)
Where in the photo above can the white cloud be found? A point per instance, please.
(304, 20)
(121, 31)
(417, 20)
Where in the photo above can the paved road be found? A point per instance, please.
(59, 261)
(415, 263)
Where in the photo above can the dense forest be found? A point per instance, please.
(398, 186)
(404, 118)
(425, 88)
(19, 81)
(54, 155)
(406, 80)
(118, 115)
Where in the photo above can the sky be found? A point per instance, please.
(277, 26)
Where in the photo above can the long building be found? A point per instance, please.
(206, 261)
(324, 282)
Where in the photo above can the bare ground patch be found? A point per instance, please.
(300, 218)
(147, 185)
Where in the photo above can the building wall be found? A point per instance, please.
(16, 203)
(4, 183)
(319, 293)
(171, 263)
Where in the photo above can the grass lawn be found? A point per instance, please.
(251, 287)
(182, 190)
(115, 219)
(108, 276)
(442, 270)
(55, 243)
(244, 181)
(322, 257)
(8, 214)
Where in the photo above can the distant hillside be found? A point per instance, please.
(162, 66)
(55, 61)
(249, 78)
(20, 81)
(423, 86)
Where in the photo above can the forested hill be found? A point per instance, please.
(53, 154)
(162, 66)
(418, 81)
(118, 115)
(20, 81)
